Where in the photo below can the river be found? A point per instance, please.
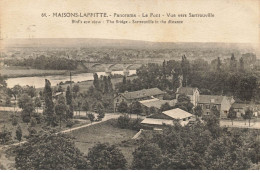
(39, 81)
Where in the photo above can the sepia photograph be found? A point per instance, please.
(129, 85)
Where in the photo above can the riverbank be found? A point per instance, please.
(18, 71)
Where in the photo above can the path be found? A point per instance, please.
(240, 124)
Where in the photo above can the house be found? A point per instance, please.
(241, 108)
(192, 93)
(144, 94)
(168, 118)
(156, 103)
(222, 103)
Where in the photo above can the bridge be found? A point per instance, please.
(108, 68)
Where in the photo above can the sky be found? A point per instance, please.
(235, 21)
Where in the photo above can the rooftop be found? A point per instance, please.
(157, 121)
(142, 93)
(157, 103)
(211, 99)
(177, 113)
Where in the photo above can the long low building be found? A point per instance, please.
(144, 94)
(168, 118)
(157, 103)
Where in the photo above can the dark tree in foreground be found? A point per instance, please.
(49, 152)
(49, 105)
(105, 156)
(147, 156)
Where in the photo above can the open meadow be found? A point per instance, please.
(85, 138)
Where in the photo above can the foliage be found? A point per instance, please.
(25, 102)
(232, 114)
(49, 105)
(147, 156)
(46, 63)
(195, 147)
(33, 122)
(198, 111)
(61, 108)
(105, 156)
(5, 136)
(165, 107)
(49, 152)
(91, 117)
(19, 133)
(135, 108)
(248, 115)
(14, 120)
(122, 107)
(183, 102)
(125, 122)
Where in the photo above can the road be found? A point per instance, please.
(240, 124)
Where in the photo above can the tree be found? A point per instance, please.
(122, 107)
(198, 111)
(60, 89)
(30, 90)
(57, 152)
(135, 108)
(218, 64)
(49, 105)
(33, 122)
(68, 96)
(5, 136)
(96, 82)
(17, 91)
(147, 156)
(232, 114)
(233, 63)
(91, 117)
(85, 106)
(25, 102)
(14, 120)
(214, 111)
(69, 102)
(105, 156)
(248, 115)
(37, 103)
(241, 65)
(61, 108)
(19, 134)
(152, 110)
(75, 89)
(123, 121)
(183, 102)
(100, 111)
(165, 107)
(110, 85)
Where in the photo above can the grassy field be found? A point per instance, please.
(86, 138)
(6, 120)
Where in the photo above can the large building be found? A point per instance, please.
(144, 94)
(222, 103)
(192, 93)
